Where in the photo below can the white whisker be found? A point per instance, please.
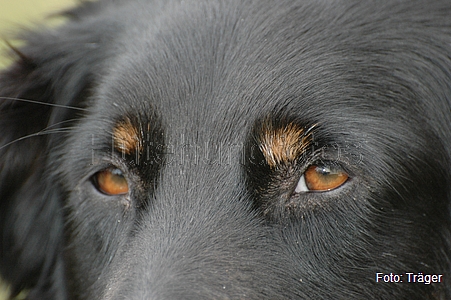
(42, 103)
(45, 131)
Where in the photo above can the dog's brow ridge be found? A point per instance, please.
(127, 137)
(282, 144)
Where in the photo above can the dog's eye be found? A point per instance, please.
(321, 178)
(111, 181)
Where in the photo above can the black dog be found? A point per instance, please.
(230, 149)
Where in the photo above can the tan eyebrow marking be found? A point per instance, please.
(127, 137)
(283, 144)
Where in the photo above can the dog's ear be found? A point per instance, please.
(41, 95)
(30, 224)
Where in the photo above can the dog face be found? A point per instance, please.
(230, 150)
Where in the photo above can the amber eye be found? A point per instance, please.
(111, 181)
(320, 178)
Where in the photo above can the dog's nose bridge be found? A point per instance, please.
(192, 181)
(200, 229)
(208, 151)
(201, 166)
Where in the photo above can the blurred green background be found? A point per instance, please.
(16, 15)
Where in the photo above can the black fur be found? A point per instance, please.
(206, 217)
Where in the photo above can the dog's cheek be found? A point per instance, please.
(98, 226)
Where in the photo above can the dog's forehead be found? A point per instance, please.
(197, 78)
(204, 69)
(189, 92)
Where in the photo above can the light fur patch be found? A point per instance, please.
(284, 144)
(127, 138)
